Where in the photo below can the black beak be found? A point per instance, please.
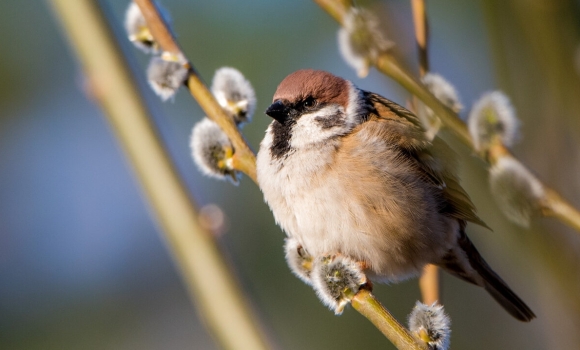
(278, 111)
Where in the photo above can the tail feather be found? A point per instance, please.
(492, 283)
(510, 301)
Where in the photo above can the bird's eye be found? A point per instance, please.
(309, 102)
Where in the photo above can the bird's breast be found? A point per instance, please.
(333, 203)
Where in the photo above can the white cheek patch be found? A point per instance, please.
(319, 126)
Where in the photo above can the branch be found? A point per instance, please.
(421, 34)
(429, 280)
(210, 283)
(365, 303)
(244, 159)
(429, 283)
(552, 204)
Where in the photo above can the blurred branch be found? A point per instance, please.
(552, 204)
(421, 33)
(429, 283)
(208, 279)
(244, 159)
(365, 303)
(429, 280)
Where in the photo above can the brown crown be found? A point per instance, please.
(321, 85)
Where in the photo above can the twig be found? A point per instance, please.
(210, 283)
(552, 204)
(365, 303)
(429, 281)
(335, 8)
(244, 159)
(421, 33)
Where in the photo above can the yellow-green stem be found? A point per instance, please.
(365, 303)
(558, 207)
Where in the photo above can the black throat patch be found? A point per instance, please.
(281, 138)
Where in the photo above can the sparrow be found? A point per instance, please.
(347, 171)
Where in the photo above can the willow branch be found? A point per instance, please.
(429, 281)
(552, 204)
(210, 283)
(365, 303)
(421, 33)
(244, 159)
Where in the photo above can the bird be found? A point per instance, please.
(347, 171)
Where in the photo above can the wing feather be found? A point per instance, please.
(434, 159)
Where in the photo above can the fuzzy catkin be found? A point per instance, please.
(138, 31)
(235, 94)
(299, 261)
(360, 40)
(165, 77)
(516, 191)
(445, 92)
(210, 149)
(335, 276)
(493, 118)
(432, 320)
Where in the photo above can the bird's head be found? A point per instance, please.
(311, 107)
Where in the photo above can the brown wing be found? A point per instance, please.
(434, 159)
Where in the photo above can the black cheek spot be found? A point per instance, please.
(331, 121)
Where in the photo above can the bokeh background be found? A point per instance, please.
(83, 265)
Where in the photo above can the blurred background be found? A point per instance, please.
(83, 265)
